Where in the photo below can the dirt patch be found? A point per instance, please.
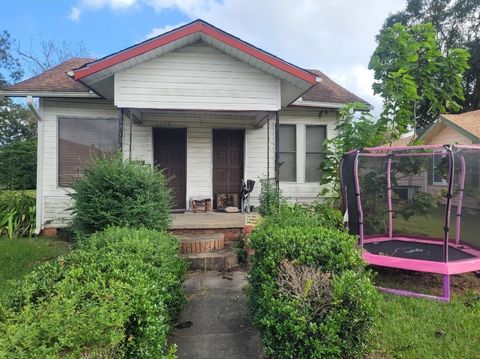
(426, 282)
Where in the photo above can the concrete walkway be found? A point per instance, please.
(215, 323)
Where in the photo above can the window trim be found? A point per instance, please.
(57, 142)
(310, 152)
(295, 152)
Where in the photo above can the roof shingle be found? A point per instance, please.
(54, 79)
(469, 121)
(328, 90)
(57, 80)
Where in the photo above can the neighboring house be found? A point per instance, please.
(204, 105)
(461, 129)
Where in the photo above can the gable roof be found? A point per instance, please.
(57, 80)
(467, 123)
(185, 35)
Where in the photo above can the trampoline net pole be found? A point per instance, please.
(357, 198)
(389, 196)
(451, 164)
(446, 287)
(460, 198)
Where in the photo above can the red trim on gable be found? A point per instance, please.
(192, 28)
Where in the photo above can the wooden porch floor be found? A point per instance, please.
(209, 220)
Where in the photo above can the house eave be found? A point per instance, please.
(317, 104)
(7, 93)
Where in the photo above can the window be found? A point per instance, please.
(287, 153)
(79, 140)
(440, 168)
(315, 137)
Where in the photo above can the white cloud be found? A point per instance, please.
(74, 14)
(335, 36)
(161, 30)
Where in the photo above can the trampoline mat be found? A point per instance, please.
(415, 250)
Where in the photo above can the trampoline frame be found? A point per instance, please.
(444, 268)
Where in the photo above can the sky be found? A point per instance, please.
(334, 36)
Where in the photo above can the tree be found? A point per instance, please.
(50, 54)
(355, 129)
(416, 80)
(15, 121)
(457, 24)
(18, 161)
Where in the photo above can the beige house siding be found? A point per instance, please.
(196, 77)
(448, 135)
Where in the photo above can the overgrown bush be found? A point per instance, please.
(309, 291)
(115, 297)
(18, 161)
(305, 216)
(17, 213)
(115, 192)
(270, 197)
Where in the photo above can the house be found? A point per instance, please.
(197, 101)
(461, 129)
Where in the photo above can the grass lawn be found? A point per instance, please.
(421, 328)
(431, 225)
(19, 256)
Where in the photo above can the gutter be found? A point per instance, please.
(8, 93)
(319, 104)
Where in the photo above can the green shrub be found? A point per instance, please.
(270, 197)
(17, 213)
(305, 215)
(113, 297)
(18, 161)
(336, 321)
(114, 192)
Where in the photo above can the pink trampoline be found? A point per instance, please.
(415, 208)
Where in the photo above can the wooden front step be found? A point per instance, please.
(201, 243)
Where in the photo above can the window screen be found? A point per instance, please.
(81, 139)
(287, 153)
(314, 142)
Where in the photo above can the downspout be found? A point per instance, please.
(39, 189)
(277, 152)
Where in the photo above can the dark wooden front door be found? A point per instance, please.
(169, 154)
(227, 162)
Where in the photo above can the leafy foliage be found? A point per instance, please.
(457, 23)
(114, 192)
(18, 161)
(270, 197)
(17, 214)
(355, 129)
(416, 81)
(314, 323)
(114, 297)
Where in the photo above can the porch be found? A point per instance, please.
(208, 220)
(205, 154)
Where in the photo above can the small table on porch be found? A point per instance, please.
(201, 203)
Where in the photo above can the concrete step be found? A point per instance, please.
(201, 243)
(219, 260)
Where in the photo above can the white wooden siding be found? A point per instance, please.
(54, 201)
(196, 77)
